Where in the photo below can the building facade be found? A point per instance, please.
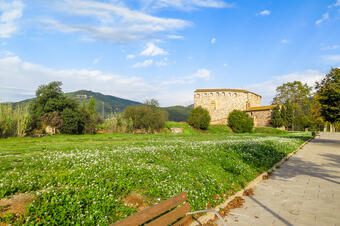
(220, 102)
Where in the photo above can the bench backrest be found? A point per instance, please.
(164, 213)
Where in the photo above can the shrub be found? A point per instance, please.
(199, 118)
(73, 122)
(146, 117)
(240, 122)
(117, 123)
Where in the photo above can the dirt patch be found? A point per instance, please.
(265, 177)
(248, 192)
(136, 201)
(237, 202)
(16, 204)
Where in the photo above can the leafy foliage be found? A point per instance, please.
(51, 107)
(277, 117)
(292, 92)
(240, 122)
(328, 94)
(118, 123)
(145, 117)
(297, 100)
(199, 118)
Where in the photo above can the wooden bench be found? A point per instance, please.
(172, 211)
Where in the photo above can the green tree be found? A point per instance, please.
(73, 121)
(297, 98)
(199, 118)
(292, 92)
(92, 106)
(147, 117)
(277, 118)
(328, 91)
(52, 107)
(240, 122)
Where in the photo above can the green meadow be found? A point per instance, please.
(83, 179)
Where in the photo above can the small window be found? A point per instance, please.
(211, 94)
(229, 94)
(213, 105)
(198, 95)
(223, 93)
(205, 94)
(217, 94)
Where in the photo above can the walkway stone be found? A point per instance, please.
(303, 191)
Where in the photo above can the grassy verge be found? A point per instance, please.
(84, 179)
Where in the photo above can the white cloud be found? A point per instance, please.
(95, 61)
(264, 13)
(130, 56)
(153, 50)
(163, 62)
(186, 5)
(213, 40)
(337, 3)
(324, 18)
(19, 80)
(145, 63)
(113, 21)
(267, 89)
(285, 41)
(10, 13)
(200, 74)
(225, 65)
(24, 74)
(175, 37)
(332, 47)
(6, 53)
(332, 58)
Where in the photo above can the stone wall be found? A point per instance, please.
(220, 102)
(261, 118)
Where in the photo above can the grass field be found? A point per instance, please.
(85, 179)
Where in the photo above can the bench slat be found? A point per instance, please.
(184, 221)
(153, 211)
(170, 217)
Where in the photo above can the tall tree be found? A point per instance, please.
(328, 91)
(292, 92)
(296, 96)
(276, 117)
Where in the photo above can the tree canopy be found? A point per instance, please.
(328, 93)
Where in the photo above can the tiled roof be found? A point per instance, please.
(227, 90)
(269, 107)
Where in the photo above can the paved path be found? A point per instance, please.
(304, 191)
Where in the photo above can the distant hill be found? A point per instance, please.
(107, 104)
(178, 113)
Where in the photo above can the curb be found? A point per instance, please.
(210, 216)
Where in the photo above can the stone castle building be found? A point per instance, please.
(220, 102)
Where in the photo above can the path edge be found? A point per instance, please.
(210, 216)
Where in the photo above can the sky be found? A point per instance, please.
(165, 49)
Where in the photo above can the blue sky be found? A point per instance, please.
(165, 49)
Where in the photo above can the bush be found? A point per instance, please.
(199, 118)
(146, 117)
(73, 122)
(240, 122)
(117, 123)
